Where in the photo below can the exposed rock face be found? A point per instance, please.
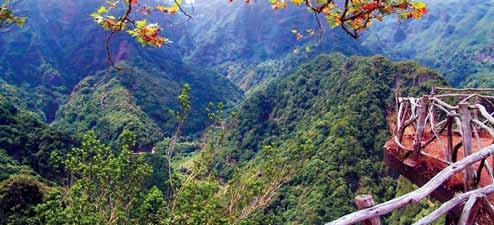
(429, 166)
(432, 161)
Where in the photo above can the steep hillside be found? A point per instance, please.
(309, 142)
(300, 133)
(41, 100)
(64, 46)
(140, 100)
(249, 43)
(455, 37)
(26, 139)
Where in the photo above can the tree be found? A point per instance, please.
(199, 203)
(116, 18)
(353, 16)
(18, 196)
(153, 208)
(8, 17)
(106, 185)
(181, 116)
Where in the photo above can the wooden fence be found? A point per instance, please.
(464, 114)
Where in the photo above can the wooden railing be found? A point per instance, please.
(424, 191)
(462, 113)
(433, 113)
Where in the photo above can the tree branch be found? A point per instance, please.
(449, 205)
(417, 195)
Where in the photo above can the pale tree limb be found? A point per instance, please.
(417, 195)
(449, 205)
(485, 127)
(466, 117)
(464, 89)
(484, 113)
(470, 211)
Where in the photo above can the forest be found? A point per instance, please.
(253, 112)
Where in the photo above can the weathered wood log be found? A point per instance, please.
(463, 89)
(475, 110)
(422, 116)
(485, 127)
(466, 119)
(461, 95)
(402, 122)
(399, 115)
(435, 158)
(470, 210)
(441, 107)
(400, 145)
(479, 172)
(449, 153)
(487, 99)
(458, 124)
(449, 205)
(443, 104)
(465, 100)
(483, 163)
(484, 113)
(366, 201)
(417, 195)
(432, 117)
(455, 151)
(436, 134)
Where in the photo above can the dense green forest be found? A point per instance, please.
(290, 141)
(452, 38)
(250, 113)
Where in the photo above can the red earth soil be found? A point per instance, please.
(427, 167)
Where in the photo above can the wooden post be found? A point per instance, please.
(470, 211)
(417, 143)
(366, 201)
(422, 192)
(475, 111)
(403, 119)
(466, 119)
(449, 153)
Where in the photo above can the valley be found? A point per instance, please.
(282, 125)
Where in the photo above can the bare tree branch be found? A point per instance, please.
(417, 195)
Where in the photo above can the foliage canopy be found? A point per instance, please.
(7, 15)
